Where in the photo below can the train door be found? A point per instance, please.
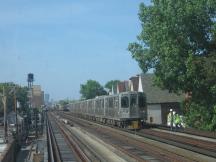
(111, 107)
(134, 106)
(124, 110)
(142, 106)
(116, 107)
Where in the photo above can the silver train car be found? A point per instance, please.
(126, 109)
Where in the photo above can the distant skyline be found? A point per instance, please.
(65, 43)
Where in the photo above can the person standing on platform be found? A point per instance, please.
(177, 121)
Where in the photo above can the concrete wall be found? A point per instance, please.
(9, 154)
(158, 112)
(154, 113)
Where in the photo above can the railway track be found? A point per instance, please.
(59, 149)
(136, 148)
(63, 146)
(81, 150)
(200, 146)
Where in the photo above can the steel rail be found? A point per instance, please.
(57, 156)
(179, 144)
(94, 156)
(174, 143)
(73, 145)
(51, 154)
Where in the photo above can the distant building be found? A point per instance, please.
(159, 101)
(123, 86)
(42, 97)
(46, 98)
(134, 83)
(37, 96)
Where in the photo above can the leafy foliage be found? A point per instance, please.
(112, 84)
(12, 90)
(178, 40)
(91, 89)
(22, 98)
(64, 103)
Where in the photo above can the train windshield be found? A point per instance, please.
(133, 100)
(141, 100)
(124, 102)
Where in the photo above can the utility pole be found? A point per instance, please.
(35, 115)
(15, 110)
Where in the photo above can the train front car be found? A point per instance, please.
(132, 110)
(142, 106)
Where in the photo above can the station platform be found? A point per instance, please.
(186, 135)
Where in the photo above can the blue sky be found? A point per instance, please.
(65, 43)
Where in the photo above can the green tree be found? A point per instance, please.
(9, 93)
(178, 40)
(63, 103)
(112, 84)
(12, 90)
(91, 89)
(22, 98)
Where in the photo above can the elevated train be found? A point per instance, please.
(126, 109)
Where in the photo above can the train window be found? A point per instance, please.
(90, 104)
(97, 103)
(85, 106)
(102, 103)
(106, 103)
(141, 100)
(124, 102)
(111, 102)
(116, 102)
(133, 100)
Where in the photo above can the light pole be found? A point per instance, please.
(15, 110)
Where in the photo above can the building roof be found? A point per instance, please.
(135, 82)
(155, 94)
(120, 87)
(123, 86)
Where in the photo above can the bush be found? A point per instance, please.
(201, 117)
